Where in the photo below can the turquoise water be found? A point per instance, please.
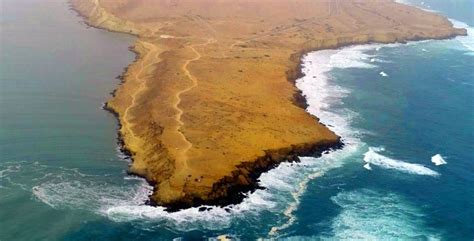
(396, 107)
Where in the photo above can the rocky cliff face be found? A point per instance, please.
(97, 16)
(210, 104)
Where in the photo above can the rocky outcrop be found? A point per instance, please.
(232, 188)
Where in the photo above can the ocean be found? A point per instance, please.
(405, 113)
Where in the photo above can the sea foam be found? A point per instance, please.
(374, 157)
(324, 100)
(377, 215)
(438, 160)
(466, 41)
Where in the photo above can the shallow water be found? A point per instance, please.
(396, 106)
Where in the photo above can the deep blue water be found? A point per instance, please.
(396, 106)
(423, 106)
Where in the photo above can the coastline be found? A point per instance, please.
(230, 189)
(236, 185)
(245, 178)
(398, 108)
(122, 148)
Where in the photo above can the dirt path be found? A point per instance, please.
(150, 59)
(224, 55)
(153, 51)
(181, 159)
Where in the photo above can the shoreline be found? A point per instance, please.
(120, 142)
(245, 178)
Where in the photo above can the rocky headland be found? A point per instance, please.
(210, 103)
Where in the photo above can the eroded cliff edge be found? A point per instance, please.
(210, 102)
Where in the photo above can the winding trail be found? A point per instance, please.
(152, 50)
(151, 58)
(182, 157)
(224, 55)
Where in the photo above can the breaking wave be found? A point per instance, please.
(466, 41)
(324, 100)
(374, 157)
(438, 160)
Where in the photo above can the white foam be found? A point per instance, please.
(124, 201)
(375, 158)
(402, 2)
(324, 100)
(426, 8)
(383, 74)
(20, 174)
(352, 57)
(214, 218)
(367, 166)
(438, 160)
(8, 169)
(87, 195)
(293, 206)
(466, 41)
(375, 215)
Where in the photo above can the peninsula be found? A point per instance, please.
(210, 102)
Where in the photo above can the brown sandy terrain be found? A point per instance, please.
(209, 102)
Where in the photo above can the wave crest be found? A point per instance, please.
(374, 157)
(438, 160)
